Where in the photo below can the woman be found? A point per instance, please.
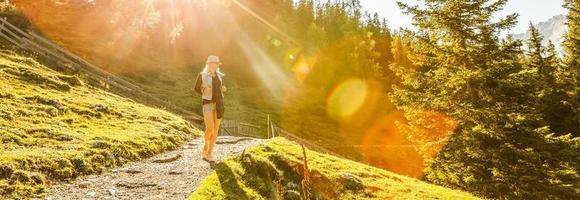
(210, 85)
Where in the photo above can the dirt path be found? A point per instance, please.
(171, 175)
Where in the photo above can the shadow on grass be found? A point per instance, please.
(228, 182)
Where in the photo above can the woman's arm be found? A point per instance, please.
(198, 84)
(223, 88)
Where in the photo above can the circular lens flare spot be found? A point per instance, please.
(347, 98)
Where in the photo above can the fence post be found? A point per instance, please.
(273, 129)
(238, 128)
(268, 125)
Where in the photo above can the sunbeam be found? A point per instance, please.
(270, 74)
(261, 19)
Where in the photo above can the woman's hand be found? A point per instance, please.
(224, 88)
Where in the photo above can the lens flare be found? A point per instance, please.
(428, 131)
(347, 98)
(269, 72)
(386, 146)
(406, 143)
(302, 67)
(131, 36)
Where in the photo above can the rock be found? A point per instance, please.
(100, 144)
(167, 160)
(291, 186)
(69, 121)
(112, 192)
(91, 194)
(132, 185)
(121, 159)
(192, 144)
(64, 137)
(84, 184)
(247, 159)
(160, 187)
(46, 101)
(6, 95)
(292, 195)
(101, 108)
(133, 171)
(291, 191)
(71, 80)
(154, 118)
(6, 170)
(175, 172)
(352, 182)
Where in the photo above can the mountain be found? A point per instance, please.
(553, 29)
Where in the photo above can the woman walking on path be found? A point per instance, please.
(209, 84)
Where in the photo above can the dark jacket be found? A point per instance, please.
(215, 95)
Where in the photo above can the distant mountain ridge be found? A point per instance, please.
(554, 29)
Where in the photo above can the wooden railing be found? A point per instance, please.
(276, 131)
(236, 128)
(29, 40)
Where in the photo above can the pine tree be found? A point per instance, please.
(572, 61)
(502, 146)
(556, 105)
(305, 14)
(382, 40)
(536, 50)
(554, 61)
(572, 41)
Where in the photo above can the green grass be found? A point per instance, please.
(301, 113)
(274, 168)
(54, 127)
(245, 103)
(6, 7)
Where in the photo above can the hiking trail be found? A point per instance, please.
(171, 175)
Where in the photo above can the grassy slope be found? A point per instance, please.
(332, 178)
(248, 104)
(54, 127)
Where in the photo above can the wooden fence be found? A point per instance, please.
(276, 131)
(31, 41)
(236, 128)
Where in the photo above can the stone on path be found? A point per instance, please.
(91, 194)
(132, 185)
(167, 160)
(112, 192)
(174, 172)
(84, 184)
(133, 171)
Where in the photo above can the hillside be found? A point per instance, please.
(54, 127)
(276, 167)
(176, 86)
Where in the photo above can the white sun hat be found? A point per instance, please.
(213, 59)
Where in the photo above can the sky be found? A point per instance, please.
(529, 10)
